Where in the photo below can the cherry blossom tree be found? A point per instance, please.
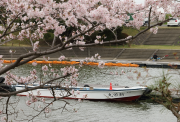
(31, 19)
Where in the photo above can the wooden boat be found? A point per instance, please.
(99, 93)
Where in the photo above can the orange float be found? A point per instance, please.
(110, 64)
(119, 64)
(74, 62)
(13, 61)
(30, 62)
(6, 61)
(92, 63)
(65, 62)
(134, 65)
(125, 65)
(57, 62)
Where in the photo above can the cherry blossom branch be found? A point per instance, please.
(6, 41)
(48, 106)
(54, 41)
(115, 35)
(8, 27)
(89, 21)
(34, 55)
(7, 107)
(149, 19)
(72, 38)
(2, 22)
(5, 34)
(31, 41)
(77, 35)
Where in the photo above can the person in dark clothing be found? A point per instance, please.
(155, 57)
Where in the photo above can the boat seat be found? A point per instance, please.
(91, 88)
(87, 88)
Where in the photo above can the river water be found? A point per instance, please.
(90, 111)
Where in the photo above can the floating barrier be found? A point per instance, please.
(110, 64)
(75, 62)
(92, 63)
(5, 61)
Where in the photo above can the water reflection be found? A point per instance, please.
(93, 75)
(99, 111)
(90, 111)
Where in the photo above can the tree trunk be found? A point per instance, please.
(178, 119)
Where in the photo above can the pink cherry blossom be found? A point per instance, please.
(33, 99)
(34, 63)
(78, 92)
(46, 59)
(28, 102)
(28, 94)
(36, 45)
(154, 30)
(80, 43)
(96, 41)
(79, 100)
(43, 100)
(38, 93)
(3, 119)
(10, 51)
(33, 72)
(72, 91)
(61, 58)
(59, 30)
(45, 68)
(96, 55)
(47, 110)
(85, 96)
(52, 70)
(101, 64)
(98, 37)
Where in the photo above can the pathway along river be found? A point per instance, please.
(90, 111)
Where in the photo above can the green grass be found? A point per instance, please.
(127, 30)
(17, 43)
(170, 27)
(174, 47)
(131, 31)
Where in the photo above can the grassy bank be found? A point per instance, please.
(17, 43)
(133, 32)
(129, 31)
(168, 47)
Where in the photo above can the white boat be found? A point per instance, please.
(105, 93)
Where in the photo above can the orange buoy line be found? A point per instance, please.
(75, 62)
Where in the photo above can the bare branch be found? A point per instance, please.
(7, 103)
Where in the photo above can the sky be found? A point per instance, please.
(139, 1)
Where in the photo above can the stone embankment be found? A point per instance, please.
(105, 53)
(135, 56)
(165, 36)
(168, 36)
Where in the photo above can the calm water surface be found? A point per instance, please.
(90, 111)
